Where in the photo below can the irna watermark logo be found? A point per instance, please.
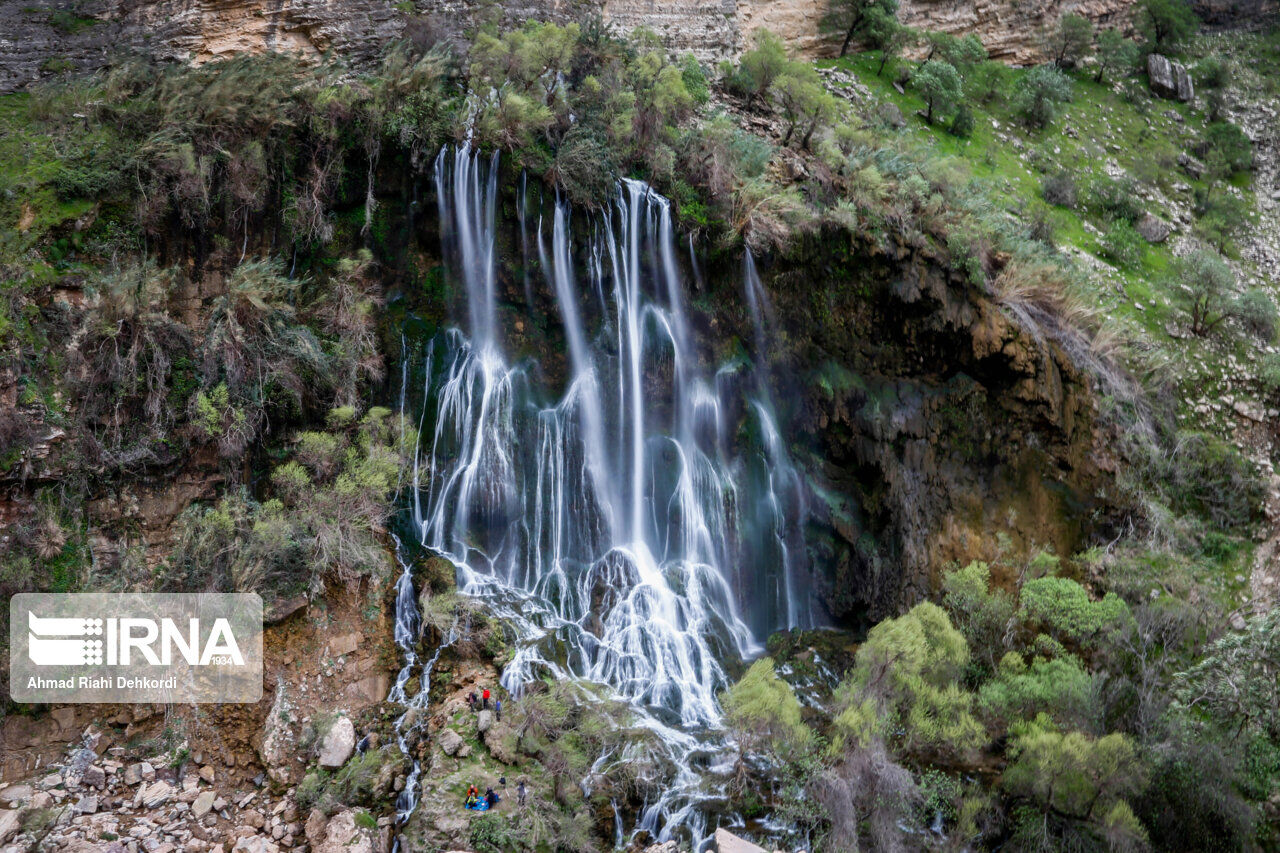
(135, 647)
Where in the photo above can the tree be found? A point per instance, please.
(961, 53)
(1222, 215)
(531, 59)
(1057, 687)
(1227, 149)
(805, 101)
(938, 83)
(858, 18)
(1115, 53)
(904, 681)
(891, 37)
(1043, 90)
(764, 712)
(981, 613)
(1205, 285)
(1165, 23)
(661, 99)
(1237, 684)
(1061, 608)
(1073, 779)
(1213, 76)
(761, 65)
(1071, 40)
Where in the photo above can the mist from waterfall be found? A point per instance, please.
(640, 529)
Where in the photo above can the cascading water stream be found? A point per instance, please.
(639, 531)
(412, 723)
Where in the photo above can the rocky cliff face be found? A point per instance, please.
(44, 37)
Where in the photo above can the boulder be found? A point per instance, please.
(8, 824)
(890, 115)
(341, 835)
(15, 795)
(87, 804)
(255, 844)
(94, 776)
(1169, 79)
(156, 794)
(727, 842)
(315, 827)
(338, 744)
(452, 743)
(1191, 165)
(1152, 228)
(484, 721)
(276, 748)
(203, 804)
(345, 644)
(500, 738)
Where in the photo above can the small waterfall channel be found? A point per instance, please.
(642, 528)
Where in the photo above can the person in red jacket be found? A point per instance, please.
(484, 699)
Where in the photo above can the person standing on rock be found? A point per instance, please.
(497, 708)
(484, 699)
(471, 700)
(520, 792)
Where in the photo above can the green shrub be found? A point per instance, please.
(759, 66)
(1077, 783)
(1269, 375)
(1059, 188)
(1209, 477)
(1114, 198)
(1060, 688)
(584, 168)
(695, 79)
(310, 789)
(1257, 313)
(356, 783)
(1226, 149)
(1122, 244)
(981, 613)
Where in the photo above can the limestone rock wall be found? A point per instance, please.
(42, 37)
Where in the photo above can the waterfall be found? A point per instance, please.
(640, 529)
(412, 723)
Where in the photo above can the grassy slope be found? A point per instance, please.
(1103, 132)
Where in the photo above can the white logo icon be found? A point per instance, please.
(49, 643)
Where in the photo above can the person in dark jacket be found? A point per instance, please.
(490, 797)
